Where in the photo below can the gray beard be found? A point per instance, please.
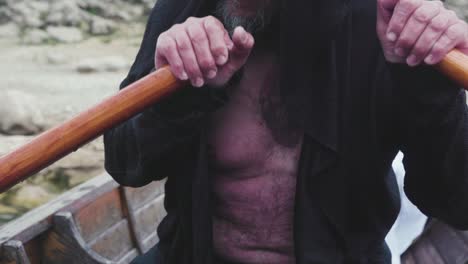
(253, 24)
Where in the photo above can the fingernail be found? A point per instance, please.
(429, 59)
(184, 76)
(221, 60)
(400, 52)
(412, 60)
(211, 74)
(198, 82)
(391, 36)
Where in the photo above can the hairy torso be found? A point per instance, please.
(254, 159)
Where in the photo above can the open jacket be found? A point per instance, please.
(359, 114)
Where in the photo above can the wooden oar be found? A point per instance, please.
(56, 143)
(455, 66)
(66, 138)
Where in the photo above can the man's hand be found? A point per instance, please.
(200, 50)
(417, 31)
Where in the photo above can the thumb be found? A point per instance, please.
(243, 44)
(385, 9)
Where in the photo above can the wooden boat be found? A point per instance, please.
(96, 222)
(100, 222)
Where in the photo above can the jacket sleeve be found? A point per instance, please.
(149, 145)
(433, 133)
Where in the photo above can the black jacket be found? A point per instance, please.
(359, 111)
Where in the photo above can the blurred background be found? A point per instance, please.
(57, 58)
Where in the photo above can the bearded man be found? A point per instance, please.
(280, 150)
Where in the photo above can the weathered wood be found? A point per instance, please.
(66, 138)
(99, 215)
(114, 242)
(150, 197)
(138, 197)
(65, 244)
(39, 220)
(455, 66)
(98, 225)
(14, 251)
(438, 244)
(146, 220)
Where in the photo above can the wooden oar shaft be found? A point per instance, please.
(455, 66)
(66, 138)
(56, 143)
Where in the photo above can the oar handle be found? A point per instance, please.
(56, 143)
(455, 66)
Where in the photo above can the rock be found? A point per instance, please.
(9, 30)
(65, 34)
(35, 37)
(30, 196)
(19, 114)
(109, 64)
(56, 58)
(27, 14)
(100, 26)
(65, 13)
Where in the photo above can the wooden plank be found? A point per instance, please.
(95, 218)
(449, 244)
(138, 197)
(114, 242)
(65, 245)
(128, 257)
(34, 249)
(148, 217)
(14, 251)
(425, 252)
(39, 220)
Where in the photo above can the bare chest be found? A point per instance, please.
(254, 158)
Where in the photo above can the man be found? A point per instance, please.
(280, 151)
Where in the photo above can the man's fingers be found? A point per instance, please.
(217, 38)
(429, 37)
(401, 14)
(413, 29)
(189, 59)
(167, 53)
(450, 39)
(201, 46)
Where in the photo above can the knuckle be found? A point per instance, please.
(423, 14)
(206, 63)
(438, 49)
(192, 69)
(183, 44)
(455, 32)
(217, 50)
(197, 35)
(211, 20)
(452, 14)
(177, 65)
(405, 42)
(191, 20)
(439, 23)
(409, 5)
